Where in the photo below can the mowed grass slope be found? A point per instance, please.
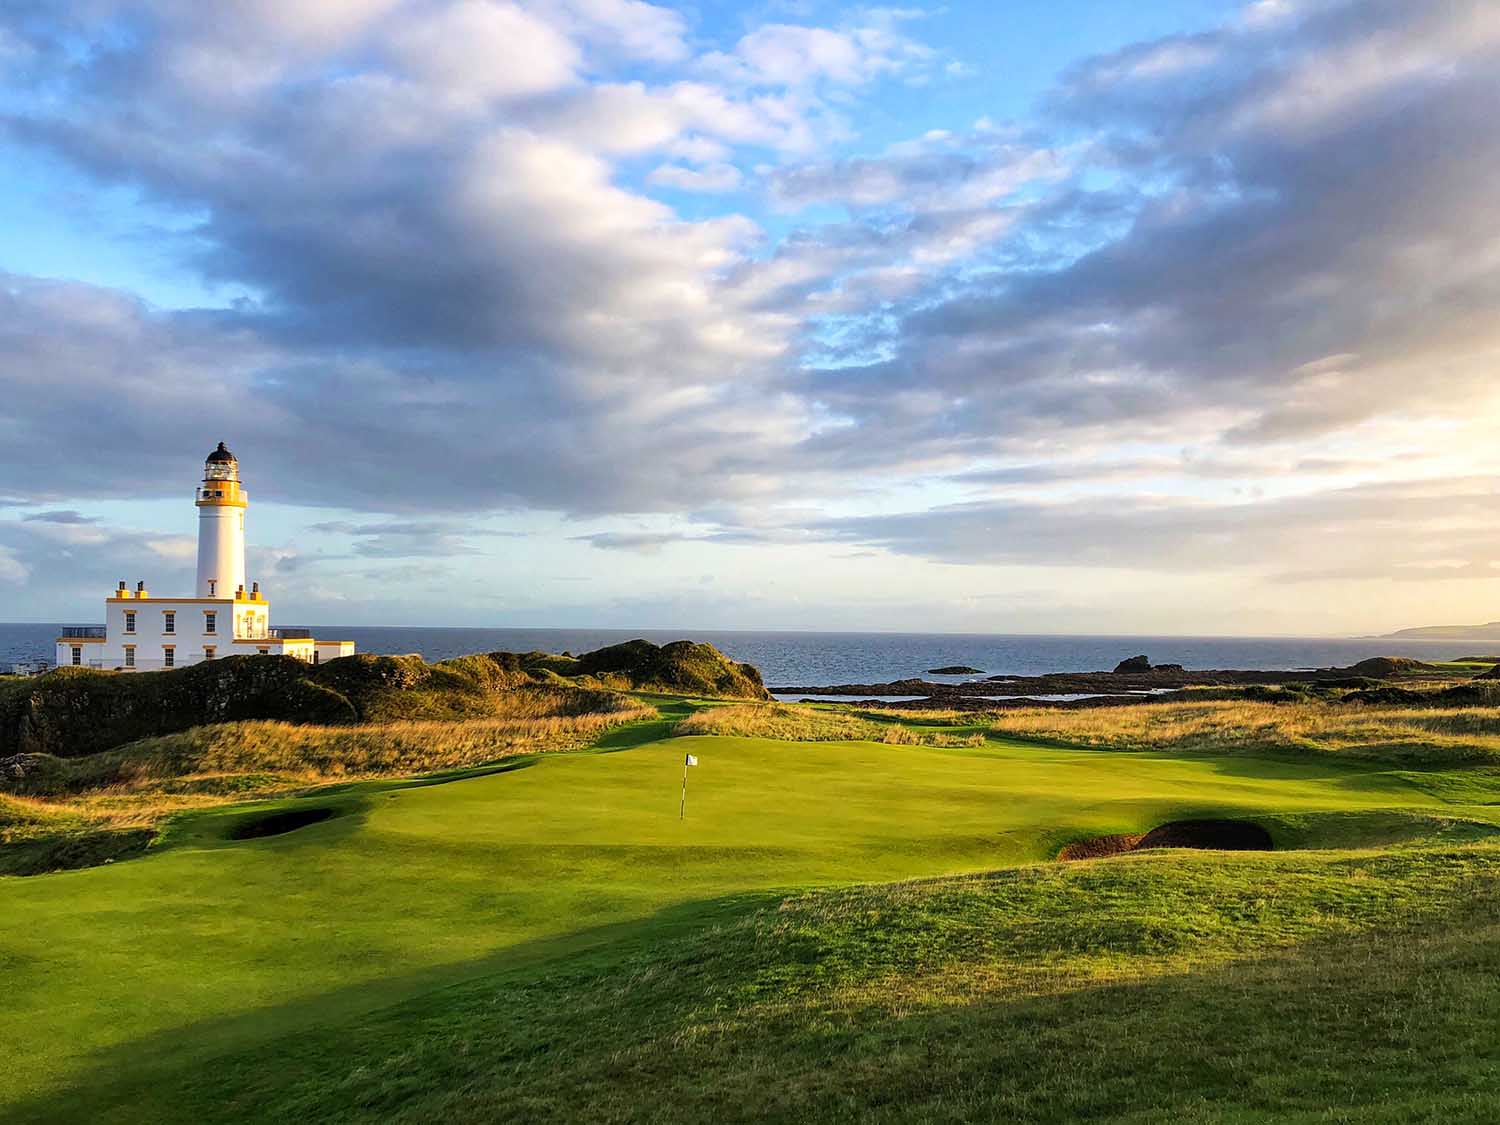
(124, 982)
(1171, 987)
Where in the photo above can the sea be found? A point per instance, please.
(808, 659)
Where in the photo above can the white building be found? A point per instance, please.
(224, 618)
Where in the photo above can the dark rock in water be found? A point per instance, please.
(1169, 668)
(955, 670)
(1133, 666)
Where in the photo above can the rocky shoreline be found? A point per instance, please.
(1102, 689)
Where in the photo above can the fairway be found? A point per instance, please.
(208, 944)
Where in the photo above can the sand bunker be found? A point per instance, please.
(278, 824)
(1214, 835)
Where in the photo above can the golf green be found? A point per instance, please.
(209, 943)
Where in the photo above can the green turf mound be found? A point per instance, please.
(1383, 667)
(1208, 835)
(74, 851)
(1176, 988)
(679, 668)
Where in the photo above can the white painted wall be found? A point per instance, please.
(221, 550)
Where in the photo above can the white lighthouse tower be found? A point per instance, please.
(221, 526)
(224, 618)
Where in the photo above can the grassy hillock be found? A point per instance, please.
(1168, 988)
(679, 668)
(72, 712)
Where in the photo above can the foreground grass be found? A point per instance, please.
(1178, 986)
(139, 971)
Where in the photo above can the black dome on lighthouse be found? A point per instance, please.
(220, 456)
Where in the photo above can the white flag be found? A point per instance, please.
(692, 761)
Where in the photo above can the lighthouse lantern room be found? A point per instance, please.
(224, 618)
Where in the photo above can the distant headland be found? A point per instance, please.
(1490, 632)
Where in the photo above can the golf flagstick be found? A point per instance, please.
(688, 760)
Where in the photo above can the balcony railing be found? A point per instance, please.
(281, 634)
(83, 632)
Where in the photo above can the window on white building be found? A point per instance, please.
(210, 622)
(169, 657)
(130, 656)
(212, 585)
(77, 655)
(169, 622)
(130, 621)
(264, 651)
(208, 652)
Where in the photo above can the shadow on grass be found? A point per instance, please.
(1392, 1023)
(140, 1079)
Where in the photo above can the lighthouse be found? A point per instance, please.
(226, 616)
(221, 526)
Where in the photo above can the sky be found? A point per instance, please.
(1008, 316)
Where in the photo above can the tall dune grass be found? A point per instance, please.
(1400, 734)
(793, 723)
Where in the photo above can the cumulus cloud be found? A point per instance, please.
(1270, 245)
(485, 48)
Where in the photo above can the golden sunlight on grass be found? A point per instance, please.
(1448, 736)
(796, 723)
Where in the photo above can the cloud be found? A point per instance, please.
(1229, 256)
(410, 538)
(12, 569)
(1261, 257)
(1367, 531)
(647, 543)
(63, 516)
(485, 48)
(710, 178)
(791, 55)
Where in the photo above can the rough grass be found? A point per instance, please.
(789, 722)
(1399, 734)
(1173, 987)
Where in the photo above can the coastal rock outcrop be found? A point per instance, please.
(71, 712)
